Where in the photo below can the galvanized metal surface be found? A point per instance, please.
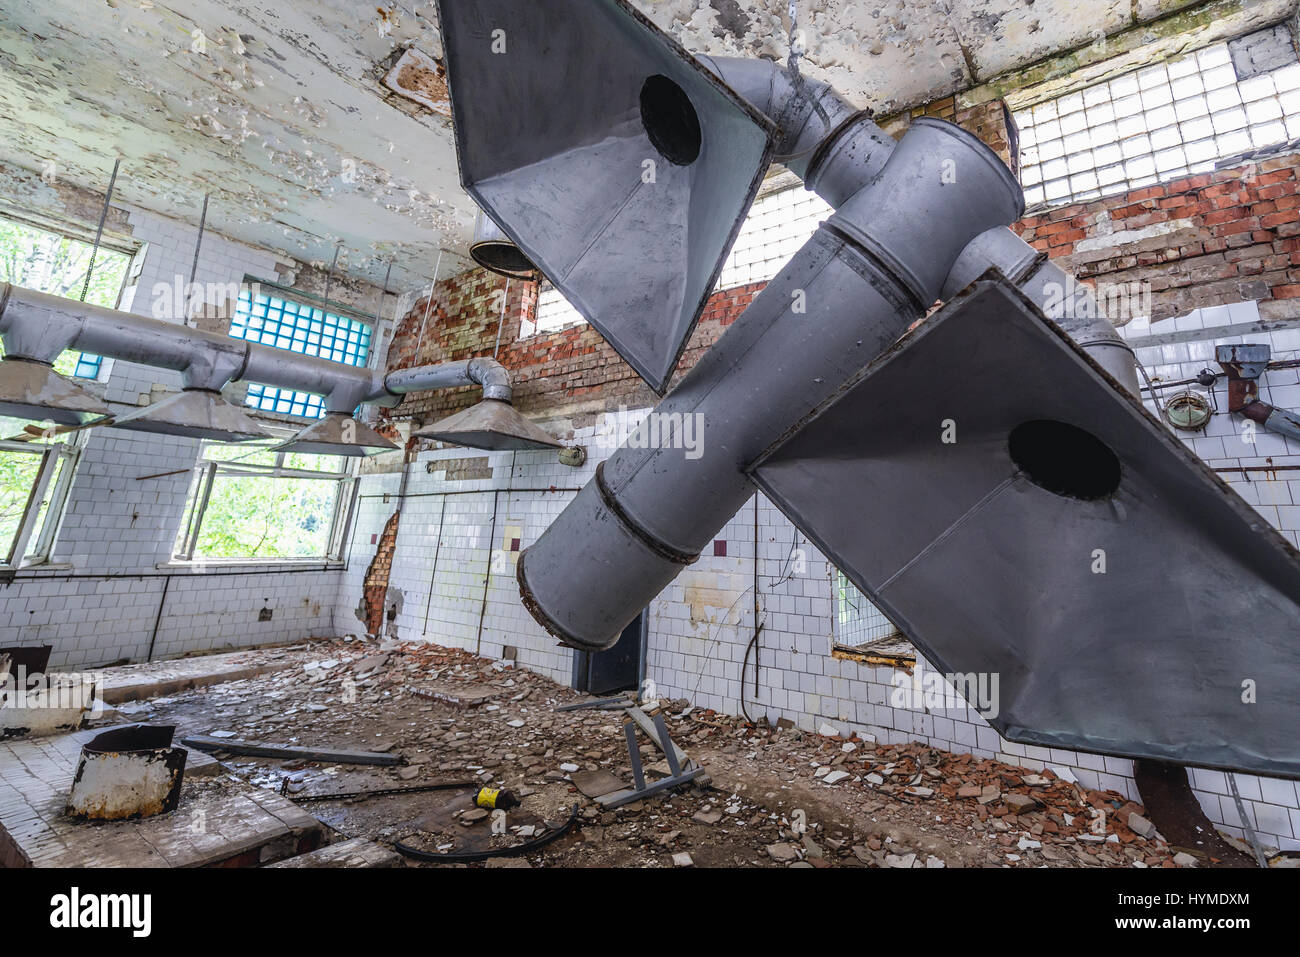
(1067, 302)
(1157, 620)
(491, 424)
(128, 772)
(614, 160)
(33, 390)
(339, 434)
(495, 251)
(194, 413)
(42, 326)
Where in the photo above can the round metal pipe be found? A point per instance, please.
(825, 140)
(481, 370)
(492, 249)
(39, 326)
(1063, 299)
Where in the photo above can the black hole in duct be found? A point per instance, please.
(1064, 459)
(502, 257)
(670, 121)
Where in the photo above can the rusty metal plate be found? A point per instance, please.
(1126, 599)
(619, 165)
(128, 772)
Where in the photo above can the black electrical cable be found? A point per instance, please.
(744, 669)
(464, 857)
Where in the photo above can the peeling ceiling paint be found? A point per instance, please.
(278, 108)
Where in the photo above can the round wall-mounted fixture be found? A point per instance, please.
(495, 251)
(1189, 411)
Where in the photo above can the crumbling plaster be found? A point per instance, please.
(278, 109)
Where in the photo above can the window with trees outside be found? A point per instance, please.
(251, 501)
(52, 263)
(36, 468)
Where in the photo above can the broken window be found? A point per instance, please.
(1152, 125)
(275, 320)
(36, 469)
(860, 629)
(56, 264)
(778, 224)
(249, 500)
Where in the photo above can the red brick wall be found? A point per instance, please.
(572, 370)
(375, 585)
(1205, 240)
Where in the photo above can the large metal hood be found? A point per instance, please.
(614, 160)
(339, 434)
(30, 389)
(491, 424)
(194, 413)
(1062, 540)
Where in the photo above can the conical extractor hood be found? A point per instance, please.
(33, 390)
(339, 434)
(196, 413)
(493, 425)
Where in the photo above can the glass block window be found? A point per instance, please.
(88, 366)
(1172, 119)
(777, 225)
(273, 320)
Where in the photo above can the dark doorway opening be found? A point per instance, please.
(614, 669)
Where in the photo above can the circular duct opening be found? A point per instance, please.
(1064, 460)
(670, 121)
(502, 257)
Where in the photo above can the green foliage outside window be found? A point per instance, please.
(50, 263)
(249, 501)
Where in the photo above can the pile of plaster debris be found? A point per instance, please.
(776, 795)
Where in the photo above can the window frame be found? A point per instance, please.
(49, 481)
(1188, 90)
(882, 649)
(205, 474)
(105, 245)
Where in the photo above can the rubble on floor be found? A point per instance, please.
(778, 796)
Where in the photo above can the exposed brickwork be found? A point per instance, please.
(988, 120)
(375, 588)
(572, 369)
(1205, 240)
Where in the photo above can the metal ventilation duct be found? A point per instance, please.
(33, 390)
(605, 152)
(491, 424)
(338, 433)
(1064, 542)
(195, 413)
(37, 327)
(495, 251)
(868, 273)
